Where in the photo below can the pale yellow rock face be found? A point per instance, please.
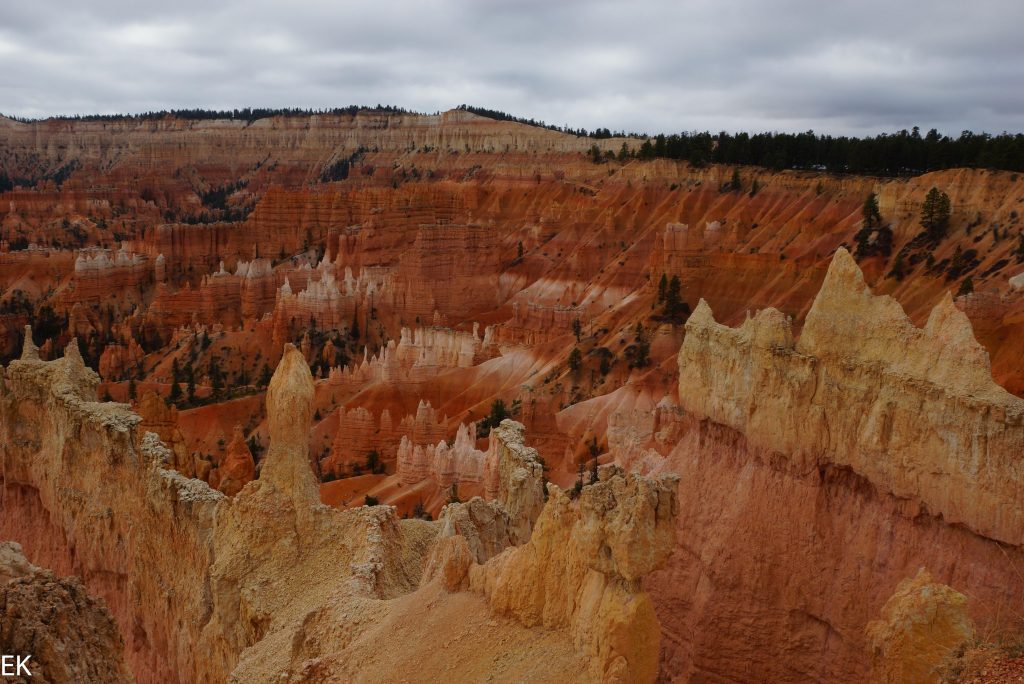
(581, 568)
(919, 628)
(482, 524)
(272, 585)
(449, 562)
(913, 410)
(290, 412)
(13, 563)
(516, 478)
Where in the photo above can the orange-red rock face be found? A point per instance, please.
(824, 471)
(465, 262)
(237, 468)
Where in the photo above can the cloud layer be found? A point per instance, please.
(645, 65)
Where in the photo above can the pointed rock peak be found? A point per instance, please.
(238, 443)
(945, 311)
(846, 319)
(701, 315)
(73, 355)
(29, 350)
(950, 326)
(83, 378)
(844, 275)
(290, 414)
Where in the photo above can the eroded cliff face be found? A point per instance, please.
(817, 474)
(581, 569)
(86, 494)
(65, 635)
(930, 423)
(276, 585)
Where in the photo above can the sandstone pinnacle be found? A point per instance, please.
(290, 413)
(29, 350)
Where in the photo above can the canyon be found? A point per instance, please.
(484, 406)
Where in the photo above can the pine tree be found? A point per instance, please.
(577, 328)
(872, 216)
(373, 462)
(883, 240)
(736, 184)
(133, 391)
(899, 268)
(265, 375)
(499, 412)
(662, 288)
(935, 214)
(216, 376)
(673, 299)
(175, 395)
(575, 359)
(578, 487)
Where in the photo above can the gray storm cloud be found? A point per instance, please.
(654, 66)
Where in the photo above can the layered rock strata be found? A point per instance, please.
(931, 424)
(273, 583)
(581, 570)
(817, 474)
(86, 494)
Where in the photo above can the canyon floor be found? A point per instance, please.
(393, 397)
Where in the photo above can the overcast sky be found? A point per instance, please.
(644, 65)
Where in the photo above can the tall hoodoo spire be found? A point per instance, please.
(290, 414)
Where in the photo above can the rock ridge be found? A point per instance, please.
(924, 394)
(581, 570)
